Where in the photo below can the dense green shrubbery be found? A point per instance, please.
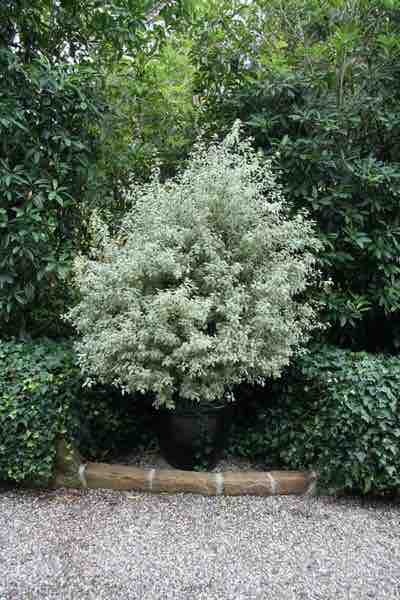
(48, 117)
(55, 157)
(38, 384)
(337, 412)
(318, 84)
(41, 398)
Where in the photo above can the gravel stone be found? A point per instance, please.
(152, 459)
(94, 544)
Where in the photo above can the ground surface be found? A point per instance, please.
(152, 459)
(109, 545)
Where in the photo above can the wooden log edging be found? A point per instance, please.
(74, 472)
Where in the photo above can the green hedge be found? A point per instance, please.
(336, 411)
(41, 397)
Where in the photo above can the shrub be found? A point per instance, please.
(47, 151)
(201, 290)
(318, 83)
(337, 412)
(41, 398)
(38, 384)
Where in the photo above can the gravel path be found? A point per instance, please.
(97, 545)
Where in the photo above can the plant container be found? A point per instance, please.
(194, 438)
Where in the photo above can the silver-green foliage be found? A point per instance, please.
(201, 290)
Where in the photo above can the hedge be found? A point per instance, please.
(41, 398)
(335, 411)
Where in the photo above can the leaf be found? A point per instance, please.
(5, 278)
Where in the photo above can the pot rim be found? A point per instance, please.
(195, 409)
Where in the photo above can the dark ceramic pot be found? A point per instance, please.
(195, 438)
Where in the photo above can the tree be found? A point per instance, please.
(317, 84)
(55, 57)
(81, 30)
(48, 144)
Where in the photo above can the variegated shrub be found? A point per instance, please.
(203, 288)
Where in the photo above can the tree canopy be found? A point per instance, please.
(133, 83)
